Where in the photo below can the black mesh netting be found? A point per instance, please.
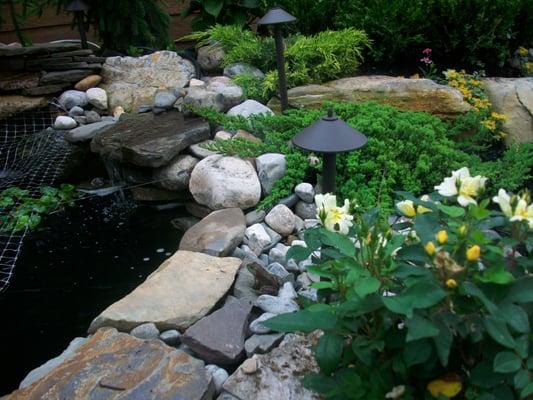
(31, 156)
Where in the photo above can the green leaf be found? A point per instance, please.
(515, 316)
(506, 362)
(298, 253)
(328, 352)
(302, 321)
(483, 375)
(528, 390)
(497, 329)
(319, 383)
(357, 306)
(364, 348)
(452, 211)
(324, 285)
(249, 3)
(213, 7)
(469, 289)
(522, 346)
(521, 291)
(417, 352)
(427, 226)
(521, 379)
(420, 328)
(312, 238)
(365, 286)
(412, 253)
(419, 295)
(498, 275)
(443, 341)
(338, 241)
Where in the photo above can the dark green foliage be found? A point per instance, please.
(473, 33)
(512, 171)
(121, 25)
(252, 87)
(210, 12)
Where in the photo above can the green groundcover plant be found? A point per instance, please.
(434, 305)
(405, 151)
(21, 210)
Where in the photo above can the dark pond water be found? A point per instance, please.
(71, 268)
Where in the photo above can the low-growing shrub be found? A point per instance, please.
(309, 59)
(437, 307)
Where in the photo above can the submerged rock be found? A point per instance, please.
(147, 140)
(112, 365)
(277, 374)
(225, 182)
(219, 337)
(180, 292)
(218, 234)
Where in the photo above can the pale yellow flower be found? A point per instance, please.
(407, 208)
(462, 185)
(338, 219)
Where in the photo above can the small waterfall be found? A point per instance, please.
(116, 177)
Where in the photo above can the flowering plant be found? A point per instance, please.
(471, 88)
(429, 70)
(434, 303)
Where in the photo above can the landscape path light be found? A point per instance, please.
(78, 7)
(329, 135)
(277, 16)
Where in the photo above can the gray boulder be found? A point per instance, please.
(219, 93)
(250, 107)
(270, 168)
(261, 344)
(171, 337)
(145, 331)
(257, 238)
(73, 98)
(210, 57)
(63, 122)
(92, 116)
(175, 175)
(305, 210)
(165, 99)
(306, 192)
(241, 69)
(225, 182)
(281, 219)
(257, 324)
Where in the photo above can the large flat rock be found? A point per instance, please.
(180, 292)
(14, 104)
(406, 94)
(218, 234)
(112, 365)
(513, 97)
(149, 140)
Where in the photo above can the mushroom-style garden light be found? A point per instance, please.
(330, 136)
(78, 7)
(275, 17)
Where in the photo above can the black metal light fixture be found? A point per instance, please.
(78, 7)
(330, 135)
(277, 16)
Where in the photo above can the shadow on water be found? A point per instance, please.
(71, 268)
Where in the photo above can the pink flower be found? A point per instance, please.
(427, 51)
(426, 60)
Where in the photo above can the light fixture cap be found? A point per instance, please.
(77, 5)
(276, 15)
(329, 135)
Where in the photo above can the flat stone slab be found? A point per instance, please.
(219, 337)
(406, 94)
(38, 48)
(149, 140)
(180, 292)
(112, 365)
(218, 234)
(14, 104)
(87, 132)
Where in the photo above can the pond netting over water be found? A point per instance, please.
(31, 156)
